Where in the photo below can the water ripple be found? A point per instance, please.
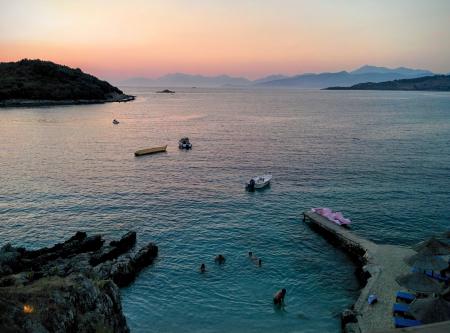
(381, 157)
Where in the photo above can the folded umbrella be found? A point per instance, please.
(419, 282)
(430, 310)
(425, 260)
(434, 245)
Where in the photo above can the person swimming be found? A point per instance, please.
(259, 262)
(220, 259)
(278, 298)
(202, 268)
(252, 256)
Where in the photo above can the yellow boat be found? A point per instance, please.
(150, 151)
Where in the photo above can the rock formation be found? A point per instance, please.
(71, 286)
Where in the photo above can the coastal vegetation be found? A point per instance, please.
(37, 82)
(426, 83)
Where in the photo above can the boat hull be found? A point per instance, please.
(184, 145)
(262, 185)
(149, 151)
(259, 182)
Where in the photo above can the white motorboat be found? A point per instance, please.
(259, 182)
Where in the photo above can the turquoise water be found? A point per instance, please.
(383, 158)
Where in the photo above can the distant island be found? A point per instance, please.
(166, 91)
(426, 83)
(36, 82)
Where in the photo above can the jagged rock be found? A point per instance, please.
(352, 328)
(115, 249)
(126, 242)
(14, 279)
(72, 304)
(77, 244)
(64, 290)
(145, 256)
(10, 259)
(348, 316)
(92, 243)
(57, 248)
(124, 272)
(14, 260)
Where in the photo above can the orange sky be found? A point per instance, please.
(119, 39)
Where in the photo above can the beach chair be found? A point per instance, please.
(437, 276)
(399, 308)
(404, 297)
(403, 322)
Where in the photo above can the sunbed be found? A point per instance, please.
(403, 322)
(404, 296)
(400, 308)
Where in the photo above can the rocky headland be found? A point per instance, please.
(70, 287)
(426, 83)
(40, 83)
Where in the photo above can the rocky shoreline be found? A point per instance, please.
(119, 98)
(70, 287)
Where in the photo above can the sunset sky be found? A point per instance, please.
(120, 39)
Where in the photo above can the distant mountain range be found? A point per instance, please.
(424, 83)
(310, 80)
(186, 80)
(364, 74)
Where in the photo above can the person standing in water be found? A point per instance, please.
(220, 259)
(202, 268)
(255, 259)
(278, 298)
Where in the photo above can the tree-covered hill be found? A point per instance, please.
(37, 80)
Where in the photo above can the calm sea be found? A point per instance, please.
(382, 158)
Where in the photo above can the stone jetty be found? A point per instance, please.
(70, 287)
(378, 266)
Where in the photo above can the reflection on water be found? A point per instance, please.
(381, 157)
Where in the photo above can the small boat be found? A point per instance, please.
(148, 151)
(115, 122)
(258, 182)
(184, 143)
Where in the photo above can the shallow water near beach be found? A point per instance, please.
(382, 158)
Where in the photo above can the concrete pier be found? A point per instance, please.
(380, 265)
